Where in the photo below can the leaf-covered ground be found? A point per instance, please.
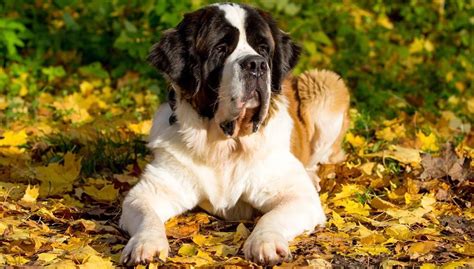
(76, 99)
(403, 197)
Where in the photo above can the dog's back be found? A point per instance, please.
(318, 104)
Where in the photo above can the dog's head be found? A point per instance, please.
(226, 60)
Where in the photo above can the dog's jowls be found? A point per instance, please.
(245, 137)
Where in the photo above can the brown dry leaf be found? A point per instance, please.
(379, 203)
(184, 226)
(448, 164)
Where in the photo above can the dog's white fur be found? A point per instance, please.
(227, 177)
(196, 165)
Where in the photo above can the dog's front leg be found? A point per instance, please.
(291, 206)
(158, 196)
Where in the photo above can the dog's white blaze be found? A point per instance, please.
(236, 16)
(232, 84)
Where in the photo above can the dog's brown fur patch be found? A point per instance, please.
(312, 91)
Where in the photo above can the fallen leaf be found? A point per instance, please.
(106, 194)
(399, 231)
(223, 250)
(241, 233)
(448, 164)
(31, 194)
(56, 178)
(187, 250)
(351, 207)
(418, 249)
(379, 203)
(11, 138)
(401, 154)
(47, 257)
(428, 142)
(355, 140)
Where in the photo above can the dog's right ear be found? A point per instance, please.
(174, 56)
(168, 55)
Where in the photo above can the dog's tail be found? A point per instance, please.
(321, 115)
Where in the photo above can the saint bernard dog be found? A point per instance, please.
(239, 135)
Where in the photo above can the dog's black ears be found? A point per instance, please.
(168, 55)
(286, 53)
(174, 56)
(285, 59)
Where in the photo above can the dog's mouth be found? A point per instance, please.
(250, 116)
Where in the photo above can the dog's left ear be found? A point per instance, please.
(286, 53)
(284, 60)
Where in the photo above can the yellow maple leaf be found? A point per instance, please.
(407, 216)
(356, 141)
(63, 264)
(398, 231)
(15, 260)
(187, 250)
(428, 142)
(11, 138)
(223, 250)
(31, 194)
(75, 107)
(56, 178)
(428, 266)
(95, 261)
(385, 134)
(47, 257)
(348, 190)
(106, 194)
(351, 207)
(142, 128)
(421, 248)
(458, 264)
(340, 223)
(427, 202)
(372, 250)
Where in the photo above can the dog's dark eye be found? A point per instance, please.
(222, 48)
(263, 49)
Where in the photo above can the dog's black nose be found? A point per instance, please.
(228, 127)
(255, 65)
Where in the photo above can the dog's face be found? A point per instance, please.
(226, 60)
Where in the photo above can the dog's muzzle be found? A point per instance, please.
(253, 106)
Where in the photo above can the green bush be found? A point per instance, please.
(393, 54)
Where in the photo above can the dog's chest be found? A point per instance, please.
(224, 185)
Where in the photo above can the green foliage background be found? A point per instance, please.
(394, 55)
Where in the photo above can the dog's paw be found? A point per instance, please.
(144, 246)
(267, 248)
